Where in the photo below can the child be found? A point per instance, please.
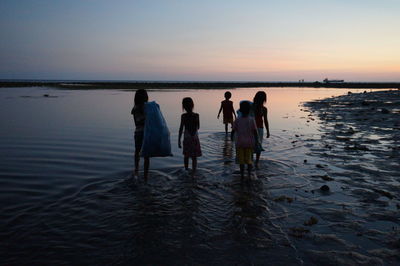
(260, 115)
(246, 134)
(191, 144)
(227, 108)
(141, 98)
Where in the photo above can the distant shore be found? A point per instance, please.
(133, 85)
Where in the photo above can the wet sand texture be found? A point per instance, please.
(360, 142)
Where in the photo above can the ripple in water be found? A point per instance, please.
(56, 214)
(67, 196)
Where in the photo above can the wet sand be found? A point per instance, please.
(359, 146)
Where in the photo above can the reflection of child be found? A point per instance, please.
(190, 123)
(141, 98)
(228, 111)
(246, 133)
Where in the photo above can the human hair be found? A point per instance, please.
(259, 99)
(187, 104)
(245, 108)
(141, 97)
(228, 95)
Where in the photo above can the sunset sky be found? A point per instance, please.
(266, 40)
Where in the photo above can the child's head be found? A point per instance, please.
(245, 108)
(260, 98)
(187, 104)
(141, 97)
(228, 95)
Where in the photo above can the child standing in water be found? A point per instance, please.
(261, 117)
(190, 124)
(246, 134)
(141, 98)
(228, 111)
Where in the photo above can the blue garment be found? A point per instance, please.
(239, 114)
(156, 138)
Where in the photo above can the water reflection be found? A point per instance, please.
(67, 196)
(227, 150)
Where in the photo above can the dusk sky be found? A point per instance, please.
(266, 40)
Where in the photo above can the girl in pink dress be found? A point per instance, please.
(246, 133)
(190, 124)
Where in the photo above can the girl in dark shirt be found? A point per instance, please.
(139, 117)
(190, 124)
(261, 117)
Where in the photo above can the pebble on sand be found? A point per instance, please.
(311, 221)
(325, 188)
(327, 178)
(283, 198)
(298, 232)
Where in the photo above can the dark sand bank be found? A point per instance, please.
(132, 85)
(359, 147)
(352, 117)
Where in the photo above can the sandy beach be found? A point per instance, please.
(360, 141)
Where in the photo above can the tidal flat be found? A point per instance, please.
(326, 191)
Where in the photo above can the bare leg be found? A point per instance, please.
(146, 166)
(242, 171)
(137, 159)
(226, 128)
(194, 165)
(186, 162)
(257, 159)
(249, 167)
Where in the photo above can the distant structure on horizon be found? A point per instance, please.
(326, 80)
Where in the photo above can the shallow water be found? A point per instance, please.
(67, 194)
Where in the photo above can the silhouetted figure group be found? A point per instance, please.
(247, 130)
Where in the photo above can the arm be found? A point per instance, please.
(255, 131)
(180, 132)
(198, 121)
(266, 121)
(233, 111)
(134, 116)
(219, 112)
(257, 136)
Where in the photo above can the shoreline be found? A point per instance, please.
(358, 151)
(133, 85)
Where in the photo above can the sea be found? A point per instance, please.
(68, 196)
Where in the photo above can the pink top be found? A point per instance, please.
(244, 128)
